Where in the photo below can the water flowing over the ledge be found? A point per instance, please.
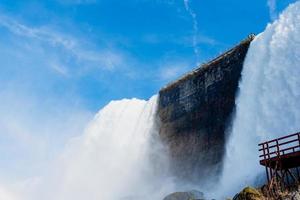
(118, 157)
(268, 103)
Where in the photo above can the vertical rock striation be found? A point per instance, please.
(194, 112)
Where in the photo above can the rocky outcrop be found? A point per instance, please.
(194, 112)
(249, 193)
(190, 195)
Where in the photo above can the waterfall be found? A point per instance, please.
(268, 103)
(118, 157)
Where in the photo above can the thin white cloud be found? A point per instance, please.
(77, 2)
(195, 28)
(206, 40)
(185, 40)
(200, 39)
(172, 71)
(36, 33)
(108, 59)
(272, 9)
(60, 69)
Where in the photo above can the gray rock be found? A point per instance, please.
(194, 112)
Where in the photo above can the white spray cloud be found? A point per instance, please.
(33, 131)
(268, 103)
(195, 28)
(6, 194)
(272, 9)
(118, 157)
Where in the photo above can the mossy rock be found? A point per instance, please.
(190, 195)
(249, 193)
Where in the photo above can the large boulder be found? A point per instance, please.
(249, 193)
(189, 195)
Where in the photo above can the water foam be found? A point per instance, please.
(118, 157)
(268, 104)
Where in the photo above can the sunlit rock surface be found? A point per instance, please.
(249, 193)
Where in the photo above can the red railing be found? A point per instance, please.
(280, 146)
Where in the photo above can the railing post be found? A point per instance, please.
(264, 154)
(268, 153)
(299, 139)
(278, 150)
(277, 147)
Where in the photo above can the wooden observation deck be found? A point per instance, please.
(281, 157)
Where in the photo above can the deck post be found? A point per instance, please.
(281, 159)
(264, 153)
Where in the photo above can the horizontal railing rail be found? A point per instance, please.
(280, 146)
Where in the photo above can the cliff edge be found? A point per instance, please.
(194, 112)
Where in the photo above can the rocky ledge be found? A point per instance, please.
(248, 193)
(263, 193)
(189, 195)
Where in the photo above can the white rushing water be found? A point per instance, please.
(119, 157)
(115, 159)
(268, 104)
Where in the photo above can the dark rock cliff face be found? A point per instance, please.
(194, 112)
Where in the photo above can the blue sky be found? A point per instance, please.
(63, 60)
(103, 50)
